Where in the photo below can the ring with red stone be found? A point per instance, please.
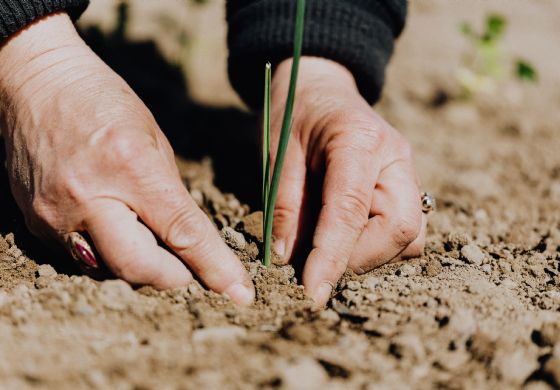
(80, 249)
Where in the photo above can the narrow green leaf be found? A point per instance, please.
(285, 132)
(266, 142)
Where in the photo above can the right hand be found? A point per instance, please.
(85, 154)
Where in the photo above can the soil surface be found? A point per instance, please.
(480, 309)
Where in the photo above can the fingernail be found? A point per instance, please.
(86, 255)
(323, 293)
(241, 294)
(280, 248)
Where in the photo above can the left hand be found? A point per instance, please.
(370, 211)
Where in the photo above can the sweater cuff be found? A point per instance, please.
(16, 14)
(357, 34)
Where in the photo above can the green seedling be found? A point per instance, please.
(270, 187)
(525, 71)
(486, 64)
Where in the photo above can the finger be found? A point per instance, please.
(174, 216)
(287, 212)
(347, 196)
(396, 221)
(130, 250)
(416, 248)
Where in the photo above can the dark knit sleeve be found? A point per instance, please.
(16, 14)
(356, 33)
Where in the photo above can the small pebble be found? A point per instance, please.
(550, 334)
(330, 316)
(407, 270)
(21, 291)
(46, 270)
(487, 268)
(4, 298)
(194, 289)
(42, 282)
(481, 216)
(83, 310)
(198, 197)
(472, 254)
(353, 285)
(10, 239)
(233, 238)
(463, 322)
(408, 346)
(116, 295)
(552, 367)
(509, 284)
(457, 240)
(371, 297)
(371, 283)
(454, 360)
(515, 367)
(304, 373)
(218, 334)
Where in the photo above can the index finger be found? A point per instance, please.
(174, 216)
(350, 175)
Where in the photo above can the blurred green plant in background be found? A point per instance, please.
(486, 64)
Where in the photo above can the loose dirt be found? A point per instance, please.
(480, 309)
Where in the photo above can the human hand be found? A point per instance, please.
(370, 210)
(86, 155)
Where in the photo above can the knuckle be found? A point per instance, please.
(284, 213)
(70, 188)
(405, 230)
(65, 185)
(187, 231)
(361, 140)
(370, 137)
(43, 215)
(353, 210)
(122, 149)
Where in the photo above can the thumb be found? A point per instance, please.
(287, 211)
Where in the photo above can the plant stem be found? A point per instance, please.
(285, 132)
(266, 143)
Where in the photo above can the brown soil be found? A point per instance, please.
(481, 308)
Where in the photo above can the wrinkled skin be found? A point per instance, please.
(85, 154)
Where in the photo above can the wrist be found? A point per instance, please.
(316, 73)
(36, 47)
